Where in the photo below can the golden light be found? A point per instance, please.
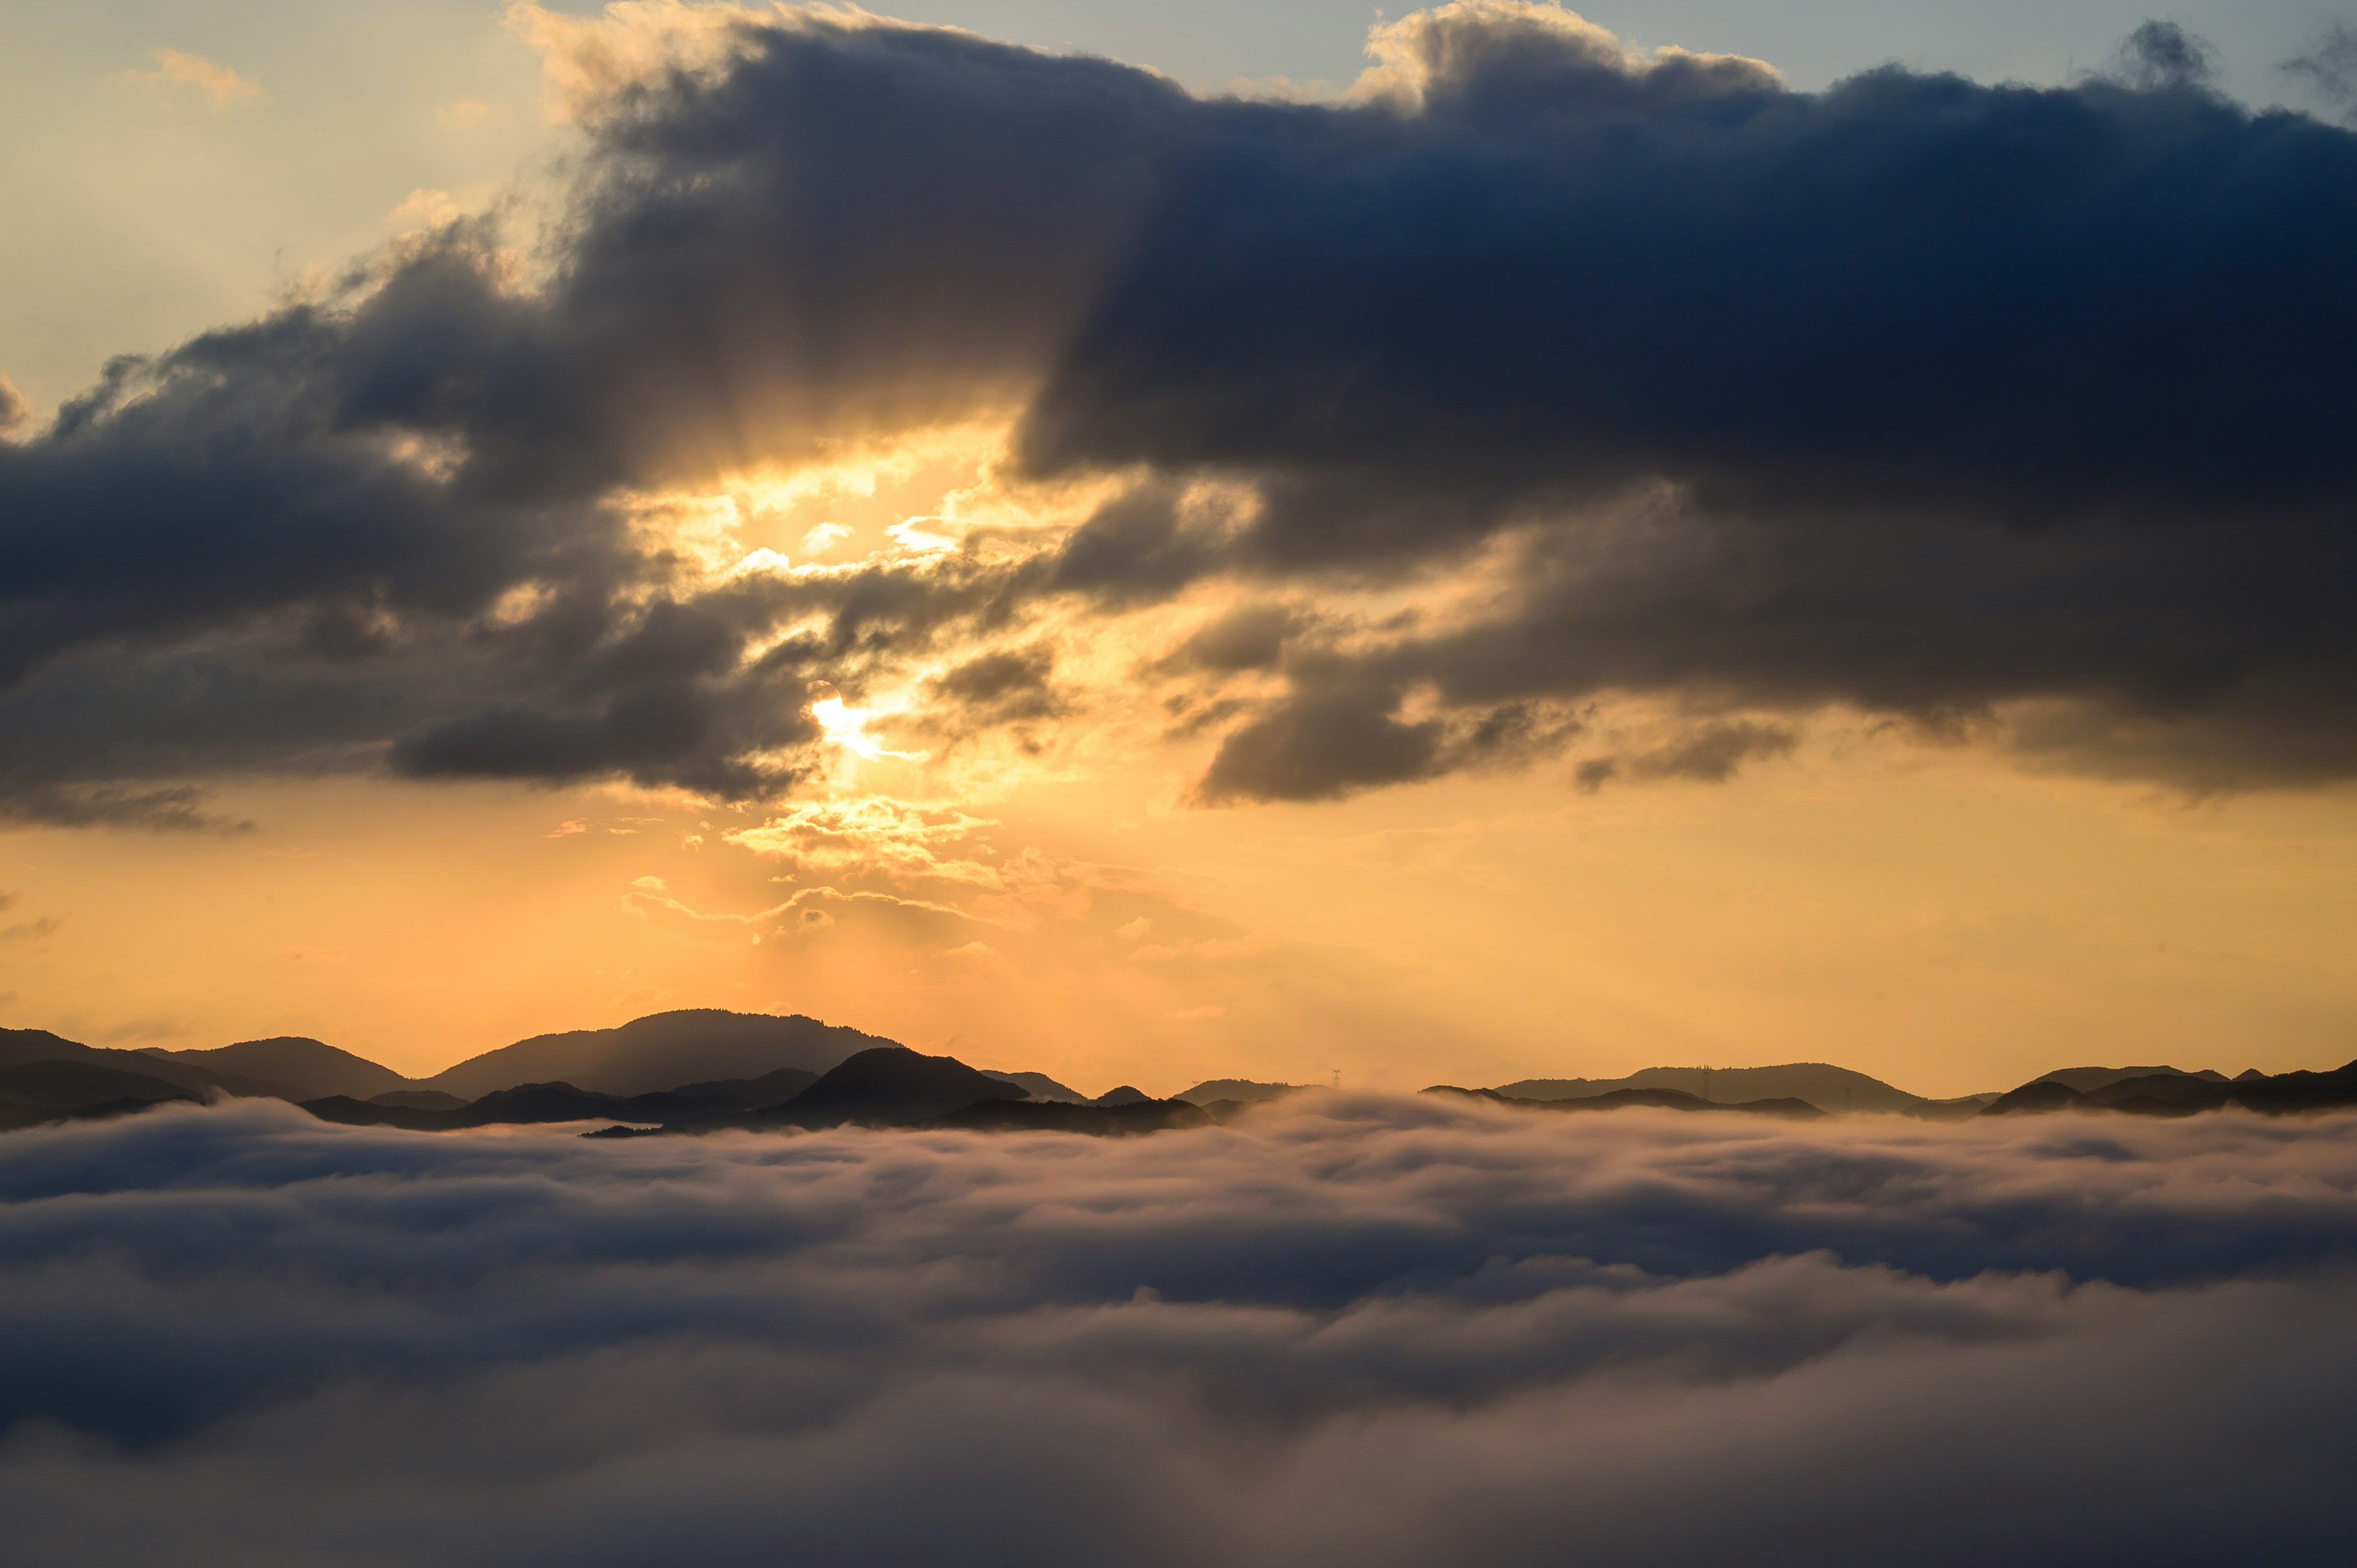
(847, 728)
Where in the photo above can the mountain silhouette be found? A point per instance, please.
(1823, 1085)
(2292, 1091)
(1241, 1089)
(882, 1086)
(657, 1051)
(2094, 1079)
(711, 1102)
(2163, 1087)
(701, 1070)
(2039, 1094)
(418, 1100)
(890, 1086)
(1786, 1106)
(2168, 1091)
(754, 1093)
(53, 1088)
(298, 1068)
(1039, 1086)
(18, 1047)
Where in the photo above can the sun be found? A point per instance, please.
(847, 728)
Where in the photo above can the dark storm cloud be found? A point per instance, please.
(1564, 271)
(1924, 397)
(1347, 1329)
(218, 484)
(1963, 395)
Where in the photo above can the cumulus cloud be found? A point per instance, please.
(1344, 1329)
(2007, 409)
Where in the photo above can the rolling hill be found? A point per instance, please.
(1823, 1085)
(18, 1047)
(657, 1052)
(300, 1068)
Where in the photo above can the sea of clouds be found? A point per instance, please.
(1349, 1328)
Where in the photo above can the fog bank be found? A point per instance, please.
(1346, 1328)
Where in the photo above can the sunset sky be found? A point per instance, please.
(1150, 542)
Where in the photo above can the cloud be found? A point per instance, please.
(217, 84)
(16, 413)
(1710, 753)
(425, 208)
(1006, 686)
(2330, 68)
(879, 836)
(1454, 56)
(1344, 1329)
(810, 910)
(1343, 727)
(588, 62)
(1593, 375)
(1248, 637)
(1322, 744)
(164, 809)
(2160, 55)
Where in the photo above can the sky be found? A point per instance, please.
(1155, 542)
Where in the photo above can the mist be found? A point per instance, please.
(1344, 1328)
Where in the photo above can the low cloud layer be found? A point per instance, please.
(1346, 1330)
(2001, 409)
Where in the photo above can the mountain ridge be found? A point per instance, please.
(306, 1067)
(19, 1046)
(653, 1052)
(1822, 1084)
(671, 1069)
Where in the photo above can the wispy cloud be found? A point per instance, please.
(217, 84)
